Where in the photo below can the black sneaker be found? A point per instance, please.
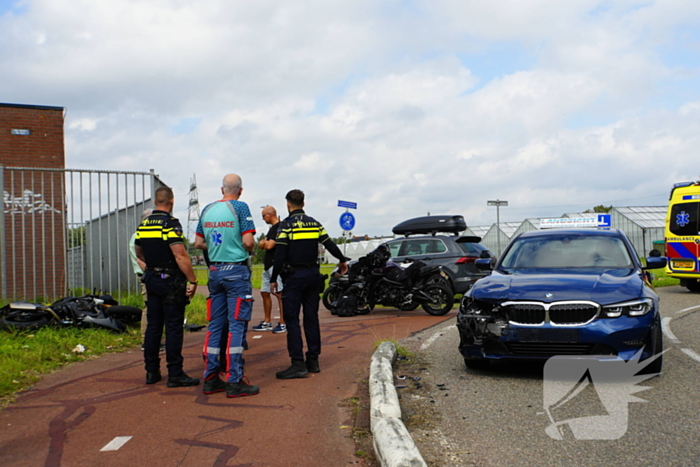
(297, 370)
(213, 385)
(241, 389)
(152, 377)
(312, 365)
(182, 381)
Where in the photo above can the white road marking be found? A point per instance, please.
(116, 443)
(688, 309)
(666, 328)
(432, 338)
(691, 354)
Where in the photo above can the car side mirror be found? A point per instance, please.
(655, 262)
(483, 264)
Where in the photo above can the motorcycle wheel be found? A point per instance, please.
(438, 279)
(366, 309)
(128, 314)
(24, 320)
(332, 294)
(442, 299)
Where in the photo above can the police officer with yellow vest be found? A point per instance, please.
(296, 259)
(170, 281)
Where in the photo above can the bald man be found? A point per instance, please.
(226, 230)
(269, 215)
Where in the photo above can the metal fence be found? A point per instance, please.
(69, 229)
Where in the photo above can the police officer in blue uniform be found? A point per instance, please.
(296, 259)
(170, 282)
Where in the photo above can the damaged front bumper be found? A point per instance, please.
(488, 332)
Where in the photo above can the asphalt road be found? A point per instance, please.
(497, 417)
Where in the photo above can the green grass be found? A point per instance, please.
(202, 274)
(660, 279)
(25, 356)
(196, 311)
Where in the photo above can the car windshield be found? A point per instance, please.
(567, 252)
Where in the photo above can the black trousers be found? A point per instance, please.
(301, 290)
(159, 314)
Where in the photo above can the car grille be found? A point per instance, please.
(526, 313)
(548, 349)
(570, 313)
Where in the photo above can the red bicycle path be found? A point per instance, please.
(71, 416)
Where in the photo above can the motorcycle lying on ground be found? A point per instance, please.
(373, 280)
(96, 311)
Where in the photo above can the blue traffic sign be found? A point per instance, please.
(347, 204)
(347, 221)
(604, 220)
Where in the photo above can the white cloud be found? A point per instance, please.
(83, 124)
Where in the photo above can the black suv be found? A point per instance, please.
(455, 253)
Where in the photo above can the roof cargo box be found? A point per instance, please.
(430, 225)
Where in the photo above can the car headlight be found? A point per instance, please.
(632, 308)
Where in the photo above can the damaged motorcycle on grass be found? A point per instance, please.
(89, 311)
(374, 280)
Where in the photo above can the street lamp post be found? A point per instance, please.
(498, 203)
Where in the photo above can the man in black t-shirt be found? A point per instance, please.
(269, 215)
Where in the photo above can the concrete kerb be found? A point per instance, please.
(393, 443)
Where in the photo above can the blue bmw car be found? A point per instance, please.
(563, 292)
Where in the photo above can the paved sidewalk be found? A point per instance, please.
(71, 416)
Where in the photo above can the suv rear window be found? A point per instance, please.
(472, 247)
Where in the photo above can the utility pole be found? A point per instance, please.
(193, 209)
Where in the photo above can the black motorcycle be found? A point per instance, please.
(373, 280)
(99, 311)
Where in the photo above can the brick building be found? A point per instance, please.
(32, 160)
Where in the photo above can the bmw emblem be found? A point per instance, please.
(549, 295)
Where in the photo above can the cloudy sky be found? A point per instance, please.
(404, 107)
